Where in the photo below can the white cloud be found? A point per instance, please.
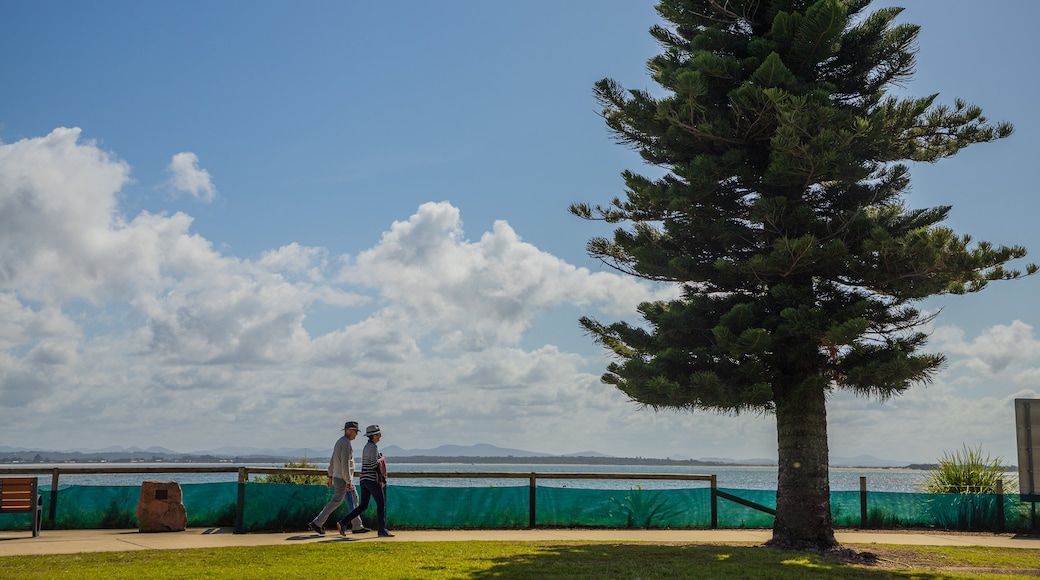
(996, 349)
(971, 401)
(129, 329)
(188, 177)
(483, 293)
(295, 259)
(60, 233)
(23, 325)
(927, 420)
(138, 332)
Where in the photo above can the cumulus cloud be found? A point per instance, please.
(138, 327)
(996, 349)
(483, 293)
(971, 401)
(137, 331)
(927, 420)
(187, 177)
(295, 259)
(60, 233)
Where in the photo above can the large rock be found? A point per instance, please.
(161, 507)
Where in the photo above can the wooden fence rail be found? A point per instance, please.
(245, 472)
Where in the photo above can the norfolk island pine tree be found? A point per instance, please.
(781, 216)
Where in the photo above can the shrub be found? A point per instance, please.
(293, 478)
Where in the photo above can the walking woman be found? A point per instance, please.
(372, 482)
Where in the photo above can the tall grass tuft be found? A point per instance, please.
(968, 471)
(965, 484)
(640, 508)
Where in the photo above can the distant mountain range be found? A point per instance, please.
(865, 461)
(478, 450)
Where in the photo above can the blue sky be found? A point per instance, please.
(243, 223)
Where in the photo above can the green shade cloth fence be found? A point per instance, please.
(273, 506)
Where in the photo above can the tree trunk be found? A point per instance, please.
(803, 502)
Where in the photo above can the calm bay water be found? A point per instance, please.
(733, 477)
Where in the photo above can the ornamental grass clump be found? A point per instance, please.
(968, 471)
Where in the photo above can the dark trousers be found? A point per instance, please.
(369, 490)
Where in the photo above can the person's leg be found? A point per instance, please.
(339, 490)
(376, 491)
(362, 506)
(355, 524)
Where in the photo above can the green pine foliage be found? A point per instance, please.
(783, 217)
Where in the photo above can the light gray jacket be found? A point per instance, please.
(341, 465)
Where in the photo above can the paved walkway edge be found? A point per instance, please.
(76, 541)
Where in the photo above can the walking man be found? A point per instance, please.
(341, 480)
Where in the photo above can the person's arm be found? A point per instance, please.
(350, 467)
(370, 459)
(332, 463)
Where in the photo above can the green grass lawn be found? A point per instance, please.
(535, 560)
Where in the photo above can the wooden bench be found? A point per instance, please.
(20, 494)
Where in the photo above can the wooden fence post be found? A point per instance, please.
(714, 502)
(863, 502)
(54, 496)
(531, 503)
(1000, 505)
(240, 507)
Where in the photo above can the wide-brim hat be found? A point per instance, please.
(372, 430)
(351, 425)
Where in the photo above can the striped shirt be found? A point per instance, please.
(370, 462)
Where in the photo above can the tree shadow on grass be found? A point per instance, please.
(682, 561)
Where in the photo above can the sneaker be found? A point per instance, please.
(361, 530)
(342, 529)
(316, 529)
(385, 534)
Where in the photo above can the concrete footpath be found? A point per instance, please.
(75, 541)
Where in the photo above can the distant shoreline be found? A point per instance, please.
(41, 457)
(556, 460)
(586, 460)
